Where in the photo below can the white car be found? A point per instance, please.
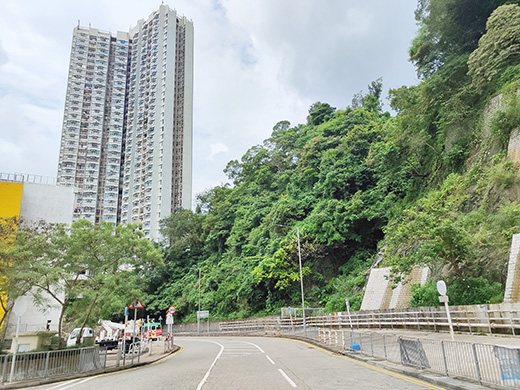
(87, 332)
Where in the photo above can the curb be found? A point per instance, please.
(426, 376)
(109, 370)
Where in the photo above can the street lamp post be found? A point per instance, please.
(199, 289)
(198, 312)
(301, 281)
(301, 277)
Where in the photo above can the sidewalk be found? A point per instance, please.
(435, 378)
(158, 353)
(501, 340)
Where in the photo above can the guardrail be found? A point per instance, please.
(38, 365)
(27, 178)
(482, 363)
(35, 365)
(488, 319)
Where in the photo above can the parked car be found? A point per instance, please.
(86, 337)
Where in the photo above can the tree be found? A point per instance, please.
(498, 48)
(448, 28)
(320, 112)
(109, 263)
(12, 285)
(372, 100)
(183, 230)
(431, 234)
(83, 269)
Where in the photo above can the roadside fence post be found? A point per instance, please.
(80, 360)
(4, 370)
(444, 359)
(477, 365)
(46, 364)
(420, 360)
(384, 346)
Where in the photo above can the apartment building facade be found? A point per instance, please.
(127, 133)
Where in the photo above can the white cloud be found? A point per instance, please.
(256, 63)
(217, 149)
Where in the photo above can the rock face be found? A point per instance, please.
(513, 148)
(380, 295)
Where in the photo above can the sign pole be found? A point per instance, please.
(442, 289)
(15, 350)
(348, 313)
(449, 319)
(133, 336)
(124, 336)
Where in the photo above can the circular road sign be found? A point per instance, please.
(441, 287)
(171, 309)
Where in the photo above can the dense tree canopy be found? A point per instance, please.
(89, 271)
(428, 185)
(420, 187)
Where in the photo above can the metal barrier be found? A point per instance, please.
(482, 363)
(34, 365)
(491, 319)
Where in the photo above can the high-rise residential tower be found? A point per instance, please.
(127, 130)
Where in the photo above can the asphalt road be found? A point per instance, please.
(248, 363)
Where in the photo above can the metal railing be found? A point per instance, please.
(481, 363)
(38, 365)
(27, 178)
(35, 365)
(489, 319)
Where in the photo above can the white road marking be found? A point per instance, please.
(212, 365)
(76, 383)
(268, 358)
(260, 349)
(63, 384)
(287, 378)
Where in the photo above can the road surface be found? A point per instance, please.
(228, 363)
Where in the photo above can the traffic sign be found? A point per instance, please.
(136, 305)
(171, 309)
(169, 319)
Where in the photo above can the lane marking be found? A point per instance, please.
(268, 358)
(64, 384)
(381, 370)
(260, 349)
(77, 383)
(287, 378)
(212, 365)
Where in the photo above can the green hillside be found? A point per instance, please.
(429, 184)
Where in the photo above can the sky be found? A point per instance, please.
(256, 63)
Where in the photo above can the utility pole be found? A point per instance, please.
(198, 312)
(301, 281)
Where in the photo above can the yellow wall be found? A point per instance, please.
(10, 201)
